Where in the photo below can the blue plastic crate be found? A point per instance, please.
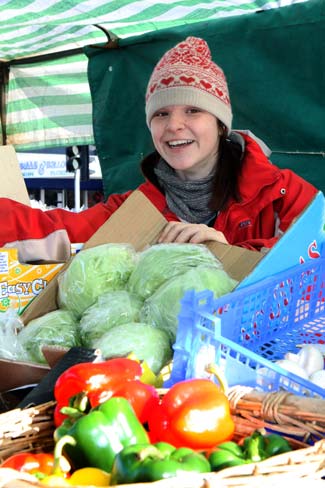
(246, 330)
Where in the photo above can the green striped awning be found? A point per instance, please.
(48, 102)
(30, 28)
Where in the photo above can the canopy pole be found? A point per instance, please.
(4, 78)
(77, 190)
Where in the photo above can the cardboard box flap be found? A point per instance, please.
(12, 183)
(15, 374)
(237, 261)
(136, 222)
(44, 302)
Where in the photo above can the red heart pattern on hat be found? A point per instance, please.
(167, 81)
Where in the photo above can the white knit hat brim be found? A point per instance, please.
(192, 96)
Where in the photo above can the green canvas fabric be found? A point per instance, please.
(274, 62)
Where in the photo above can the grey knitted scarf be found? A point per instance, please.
(187, 199)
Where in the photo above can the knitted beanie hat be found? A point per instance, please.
(186, 75)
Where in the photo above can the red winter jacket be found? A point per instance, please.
(271, 199)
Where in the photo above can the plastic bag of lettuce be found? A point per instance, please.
(162, 308)
(161, 262)
(111, 309)
(57, 328)
(92, 272)
(147, 343)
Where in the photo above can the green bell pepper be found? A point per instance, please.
(226, 454)
(255, 448)
(153, 462)
(261, 446)
(95, 438)
(275, 444)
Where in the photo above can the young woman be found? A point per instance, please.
(210, 183)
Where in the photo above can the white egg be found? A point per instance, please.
(318, 377)
(292, 357)
(293, 367)
(310, 358)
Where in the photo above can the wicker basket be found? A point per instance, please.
(301, 419)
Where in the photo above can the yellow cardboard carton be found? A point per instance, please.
(21, 283)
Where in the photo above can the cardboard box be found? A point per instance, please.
(139, 223)
(12, 184)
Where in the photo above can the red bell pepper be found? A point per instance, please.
(97, 382)
(40, 463)
(95, 377)
(193, 413)
(143, 398)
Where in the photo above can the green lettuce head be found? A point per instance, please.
(147, 343)
(162, 262)
(92, 272)
(162, 308)
(57, 328)
(112, 308)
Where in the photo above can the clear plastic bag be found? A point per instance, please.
(10, 326)
(111, 309)
(57, 328)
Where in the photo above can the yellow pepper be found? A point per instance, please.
(90, 476)
(81, 477)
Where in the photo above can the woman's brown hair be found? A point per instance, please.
(229, 164)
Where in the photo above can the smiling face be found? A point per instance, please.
(187, 138)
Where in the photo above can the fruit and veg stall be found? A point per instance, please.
(194, 383)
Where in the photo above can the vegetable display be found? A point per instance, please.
(113, 297)
(308, 364)
(113, 425)
(95, 438)
(129, 433)
(39, 463)
(97, 380)
(193, 413)
(255, 448)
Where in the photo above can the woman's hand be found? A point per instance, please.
(193, 233)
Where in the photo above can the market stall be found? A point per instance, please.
(143, 364)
